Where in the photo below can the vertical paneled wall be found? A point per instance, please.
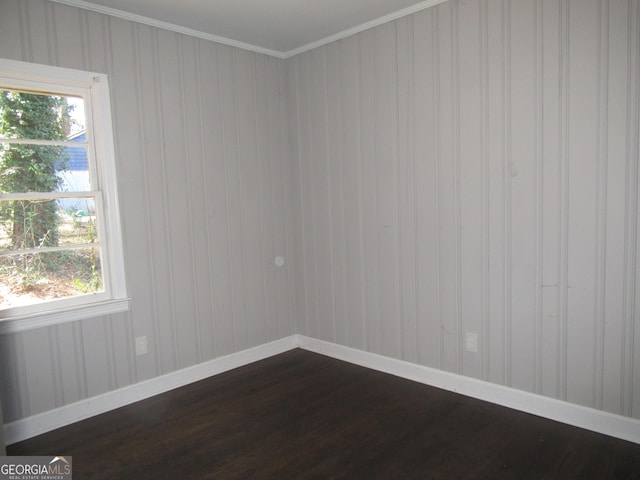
(474, 168)
(469, 168)
(201, 145)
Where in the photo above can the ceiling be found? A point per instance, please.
(277, 27)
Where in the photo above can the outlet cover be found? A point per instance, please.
(471, 342)
(141, 346)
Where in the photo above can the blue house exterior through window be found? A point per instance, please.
(75, 177)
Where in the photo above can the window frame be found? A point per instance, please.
(94, 88)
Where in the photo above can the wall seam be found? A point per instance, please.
(137, 75)
(164, 202)
(207, 214)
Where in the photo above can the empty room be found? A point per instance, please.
(320, 239)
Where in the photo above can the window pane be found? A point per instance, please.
(77, 221)
(38, 116)
(38, 277)
(72, 169)
(43, 168)
(28, 224)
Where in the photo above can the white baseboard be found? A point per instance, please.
(599, 421)
(74, 412)
(591, 419)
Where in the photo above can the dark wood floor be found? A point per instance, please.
(303, 415)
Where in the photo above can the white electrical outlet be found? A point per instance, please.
(470, 342)
(141, 346)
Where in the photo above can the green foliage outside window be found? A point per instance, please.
(31, 168)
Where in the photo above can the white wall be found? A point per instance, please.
(473, 167)
(201, 146)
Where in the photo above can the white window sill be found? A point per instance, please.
(55, 317)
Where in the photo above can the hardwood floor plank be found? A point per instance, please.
(303, 415)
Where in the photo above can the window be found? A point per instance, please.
(60, 239)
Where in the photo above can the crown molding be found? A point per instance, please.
(113, 12)
(364, 26)
(247, 46)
